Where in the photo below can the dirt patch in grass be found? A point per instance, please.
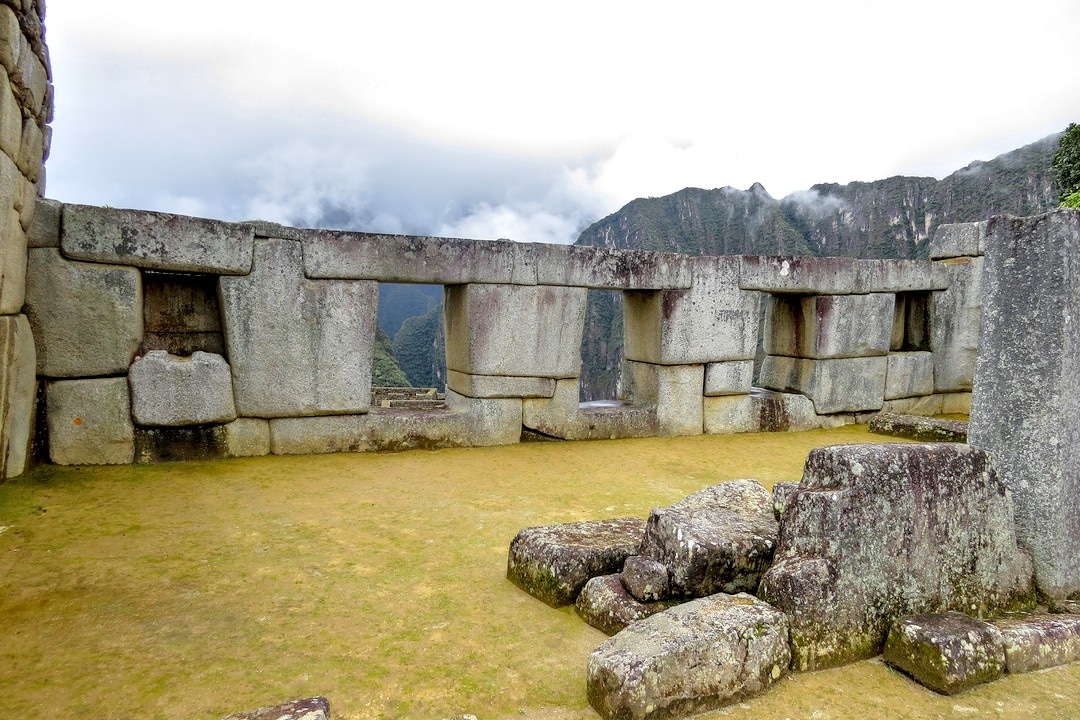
(194, 590)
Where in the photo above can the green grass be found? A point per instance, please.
(194, 590)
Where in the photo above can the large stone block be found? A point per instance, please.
(45, 231)
(922, 429)
(412, 259)
(954, 325)
(18, 389)
(878, 532)
(609, 268)
(514, 330)
(893, 276)
(714, 320)
(729, 378)
(829, 326)
(1025, 409)
(798, 274)
(464, 422)
(909, 374)
(835, 385)
(171, 390)
(89, 422)
(675, 391)
(719, 539)
(695, 657)
(157, 241)
(958, 240)
(87, 318)
(561, 416)
(297, 347)
(946, 652)
(553, 562)
(10, 119)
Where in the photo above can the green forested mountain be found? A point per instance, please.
(419, 346)
(385, 371)
(892, 218)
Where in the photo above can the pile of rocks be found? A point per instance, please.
(878, 548)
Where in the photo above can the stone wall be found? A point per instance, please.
(26, 108)
(164, 337)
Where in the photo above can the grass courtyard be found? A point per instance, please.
(194, 590)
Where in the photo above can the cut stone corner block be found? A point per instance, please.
(958, 240)
(167, 390)
(955, 316)
(297, 347)
(87, 318)
(765, 411)
(728, 378)
(562, 416)
(675, 391)
(834, 385)
(515, 330)
(89, 422)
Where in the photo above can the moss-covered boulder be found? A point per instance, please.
(553, 562)
(608, 606)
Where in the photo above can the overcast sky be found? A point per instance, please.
(529, 120)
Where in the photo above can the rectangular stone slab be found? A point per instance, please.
(157, 241)
(829, 326)
(1037, 642)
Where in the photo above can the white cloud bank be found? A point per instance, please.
(530, 120)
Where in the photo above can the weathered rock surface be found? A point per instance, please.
(181, 313)
(89, 422)
(719, 539)
(297, 347)
(919, 428)
(561, 416)
(608, 606)
(947, 652)
(245, 437)
(781, 496)
(1037, 642)
(171, 390)
(553, 562)
(878, 532)
(87, 318)
(644, 578)
(315, 708)
(695, 657)
(1025, 409)
(495, 386)
(158, 241)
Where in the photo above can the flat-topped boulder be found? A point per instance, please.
(695, 657)
(946, 652)
(553, 562)
(878, 532)
(171, 390)
(719, 539)
(608, 606)
(916, 427)
(1040, 641)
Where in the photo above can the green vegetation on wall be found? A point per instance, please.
(1067, 167)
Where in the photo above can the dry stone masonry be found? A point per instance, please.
(284, 320)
